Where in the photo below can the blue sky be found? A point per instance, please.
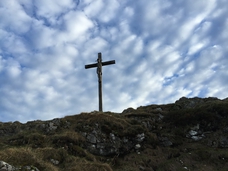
(164, 50)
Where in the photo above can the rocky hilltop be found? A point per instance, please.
(190, 134)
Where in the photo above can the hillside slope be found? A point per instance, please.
(190, 134)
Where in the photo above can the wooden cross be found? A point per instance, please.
(99, 65)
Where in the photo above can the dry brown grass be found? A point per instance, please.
(41, 158)
(25, 156)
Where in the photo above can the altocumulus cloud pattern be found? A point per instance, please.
(164, 49)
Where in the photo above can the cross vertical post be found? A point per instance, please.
(99, 65)
(99, 74)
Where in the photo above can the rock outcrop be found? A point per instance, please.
(7, 167)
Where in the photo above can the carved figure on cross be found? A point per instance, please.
(99, 68)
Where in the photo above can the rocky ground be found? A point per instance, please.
(190, 134)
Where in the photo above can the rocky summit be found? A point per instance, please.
(190, 134)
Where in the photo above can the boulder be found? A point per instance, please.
(5, 166)
(165, 141)
(223, 142)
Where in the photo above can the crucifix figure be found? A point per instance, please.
(99, 65)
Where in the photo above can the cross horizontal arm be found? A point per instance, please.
(90, 66)
(108, 62)
(103, 64)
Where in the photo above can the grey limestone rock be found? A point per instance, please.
(165, 141)
(223, 142)
(5, 166)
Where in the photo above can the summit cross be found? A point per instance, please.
(99, 65)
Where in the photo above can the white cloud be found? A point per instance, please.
(77, 24)
(13, 68)
(103, 11)
(93, 8)
(20, 23)
(52, 8)
(163, 50)
(40, 36)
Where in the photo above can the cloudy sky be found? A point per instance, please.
(164, 50)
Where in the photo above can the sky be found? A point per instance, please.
(164, 50)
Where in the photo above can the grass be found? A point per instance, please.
(41, 158)
(20, 157)
(30, 144)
